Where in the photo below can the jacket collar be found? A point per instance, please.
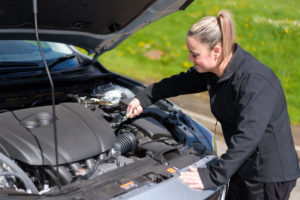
(233, 64)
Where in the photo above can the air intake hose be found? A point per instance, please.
(125, 142)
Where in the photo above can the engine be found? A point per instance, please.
(94, 137)
(27, 134)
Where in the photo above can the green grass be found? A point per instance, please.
(270, 30)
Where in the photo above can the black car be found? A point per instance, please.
(64, 133)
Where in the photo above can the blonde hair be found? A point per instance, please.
(213, 30)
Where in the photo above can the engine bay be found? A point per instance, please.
(94, 137)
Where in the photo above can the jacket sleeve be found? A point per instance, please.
(255, 103)
(183, 83)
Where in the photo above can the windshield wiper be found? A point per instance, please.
(18, 64)
(13, 67)
(60, 60)
(4, 70)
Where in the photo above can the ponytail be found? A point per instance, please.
(226, 25)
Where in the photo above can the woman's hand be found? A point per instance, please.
(192, 178)
(134, 108)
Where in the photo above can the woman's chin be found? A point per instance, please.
(200, 70)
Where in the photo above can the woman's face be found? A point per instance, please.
(204, 59)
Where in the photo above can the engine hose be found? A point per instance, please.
(125, 142)
(18, 172)
(64, 176)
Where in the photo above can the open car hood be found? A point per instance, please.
(96, 25)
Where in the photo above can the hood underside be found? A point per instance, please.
(92, 24)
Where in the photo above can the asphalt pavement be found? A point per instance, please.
(197, 106)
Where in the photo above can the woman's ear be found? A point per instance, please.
(217, 51)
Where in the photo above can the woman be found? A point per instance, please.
(247, 99)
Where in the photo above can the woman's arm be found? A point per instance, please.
(183, 83)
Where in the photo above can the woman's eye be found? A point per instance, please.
(194, 55)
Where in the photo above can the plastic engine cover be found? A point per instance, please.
(27, 135)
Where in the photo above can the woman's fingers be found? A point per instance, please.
(192, 178)
(135, 112)
(134, 108)
(193, 169)
(139, 109)
(197, 186)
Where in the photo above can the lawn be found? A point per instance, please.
(269, 30)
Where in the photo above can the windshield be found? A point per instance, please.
(23, 55)
(28, 51)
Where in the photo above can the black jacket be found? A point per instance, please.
(250, 104)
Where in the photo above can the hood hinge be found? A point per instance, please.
(97, 54)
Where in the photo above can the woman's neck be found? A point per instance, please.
(223, 65)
